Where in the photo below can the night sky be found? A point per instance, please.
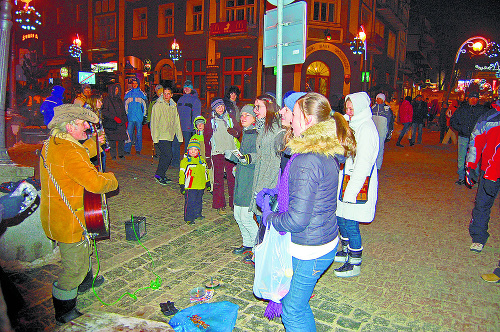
(454, 21)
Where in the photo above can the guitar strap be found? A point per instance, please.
(85, 234)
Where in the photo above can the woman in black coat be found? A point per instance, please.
(114, 120)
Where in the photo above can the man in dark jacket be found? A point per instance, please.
(189, 107)
(463, 121)
(55, 99)
(419, 115)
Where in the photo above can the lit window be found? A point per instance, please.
(195, 70)
(237, 72)
(105, 27)
(140, 23)
(324, 11)
(166, 19)
(318, 78)
(239, 10)
(194, 15)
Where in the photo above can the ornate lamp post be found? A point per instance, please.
(5, 28)
(475, 45)
(75, 50)
(358, 46)
(175, 52)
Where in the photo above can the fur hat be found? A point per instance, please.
(381, 96)
(188, 84)
(216, 103)
(69, 112)
(194, 143)
(250, 109)
(292, 99)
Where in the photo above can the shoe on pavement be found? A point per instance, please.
(190, 222)
(400, 145)
(460, 182)
(242, 250)
(222, 212)
(162, 180)
(248, 259)
(348, 270)
(491, 277)
(341, 257)
(476, 247)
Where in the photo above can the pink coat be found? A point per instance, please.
(405, 112)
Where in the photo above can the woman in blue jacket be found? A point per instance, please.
(307, 201)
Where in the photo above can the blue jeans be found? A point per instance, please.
(406, 127)
(297, 315)
(463, 143)
(350, 229)
(487, 192)
(138, 139)
(416, 128)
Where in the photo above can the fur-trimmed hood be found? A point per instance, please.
(320, 138)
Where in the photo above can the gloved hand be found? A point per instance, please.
(117, 120)
(208, 186)
(182, 189)
(144, 120)
(228, 154)
(232, 132)
(470, 177)
(259, 199)
(209, 162)
(245, 159)
(266, 210)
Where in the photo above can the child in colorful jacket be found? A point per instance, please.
(193, 179)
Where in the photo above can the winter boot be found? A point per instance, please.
(64, 304)
(352, 267)
(341, 256)
(87, 282)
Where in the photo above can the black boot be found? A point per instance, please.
(87, 282)
(341, 256)
(64, 304)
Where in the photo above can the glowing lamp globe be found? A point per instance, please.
(477, 46)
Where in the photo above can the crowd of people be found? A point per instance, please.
(320, 165)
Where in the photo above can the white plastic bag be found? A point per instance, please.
(273, 266)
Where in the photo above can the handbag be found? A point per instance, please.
(362, 196)
(273, 265)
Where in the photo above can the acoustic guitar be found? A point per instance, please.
(95, 207)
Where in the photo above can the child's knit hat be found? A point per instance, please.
(199, 119)
(250, 109)
(216, 103)
(194, 143)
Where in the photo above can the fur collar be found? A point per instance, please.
(320, 138)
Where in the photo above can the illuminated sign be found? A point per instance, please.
(64, 72)
(491, 67)
(86, 78)
(30, 36)
(104, 67)
(222, 28)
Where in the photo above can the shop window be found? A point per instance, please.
(318, 78)
(105, 27)
(325, 11)
(237, 72)
(195, 70)
(239, 10)
(166, 19)
(140, 23)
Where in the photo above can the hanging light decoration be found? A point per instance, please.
(175, 52)
(75, 50)
(28, 18)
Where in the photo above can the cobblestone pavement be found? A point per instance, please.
(417, 274)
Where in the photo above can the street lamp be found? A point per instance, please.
(75, 50)
(358, 46)
(476, 46)
(175, 52)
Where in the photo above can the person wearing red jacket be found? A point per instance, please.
(484, 150)
(405, 117)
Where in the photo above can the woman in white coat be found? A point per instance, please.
(357, 203)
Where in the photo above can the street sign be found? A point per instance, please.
(86, 78)
(275, 2)
(294, 34)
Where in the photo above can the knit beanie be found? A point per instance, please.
(381, 96)
(216, 103)
(292, 99)
(194, 143)
(199, 119)
(250, 109)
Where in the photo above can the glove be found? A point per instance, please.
(470, 177)
(117, 120)
(259, 199)
(182, 189)
(227, 154)
(245, 159)
(208, 186)
(144, 120)
(209, 162)
(266, 210)
(232, 132)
